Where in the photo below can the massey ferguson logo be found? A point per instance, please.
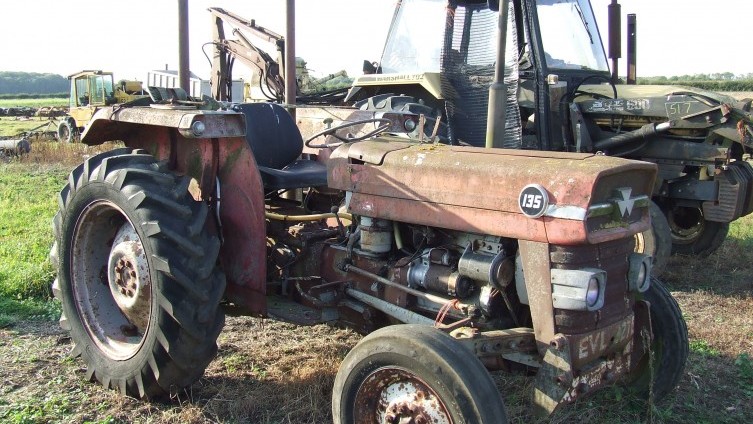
(624, 202)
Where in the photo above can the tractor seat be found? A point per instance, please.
(277, 144)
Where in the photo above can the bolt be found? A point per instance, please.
(133, 274)
(562, 379)
(391, 418)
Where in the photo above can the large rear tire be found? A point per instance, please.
(137, 274)
(692, 234)
(414, 374)
(669, 346)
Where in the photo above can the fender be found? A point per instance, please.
(218, 153)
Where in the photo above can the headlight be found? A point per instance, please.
(578, 289)
(197, 128)
(592, 295)
(639, 272)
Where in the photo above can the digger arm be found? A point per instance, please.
(270, 70)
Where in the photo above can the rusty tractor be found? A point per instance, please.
(456, 261)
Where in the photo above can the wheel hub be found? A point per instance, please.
(128, 276)
(397, 396)
(687, 224)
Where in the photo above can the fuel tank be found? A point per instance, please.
(560, 198)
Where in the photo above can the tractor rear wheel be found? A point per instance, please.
(692, 234)
(137, 276)
(660, 369)
(414, 374)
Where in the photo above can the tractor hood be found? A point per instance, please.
(495, 191)
(642, 91)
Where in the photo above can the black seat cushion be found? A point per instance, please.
(272, 134)
(299, 174)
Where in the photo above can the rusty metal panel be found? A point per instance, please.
(244, 251)
(460, 218)
(477, 189)
(117, 123)
(538, 281)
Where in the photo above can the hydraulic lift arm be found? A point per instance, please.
(271, 71)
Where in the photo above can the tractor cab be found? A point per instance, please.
(448, 61)
(90, 90)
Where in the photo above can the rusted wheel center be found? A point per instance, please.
(128, 276)
(394, 395)
(113, 284)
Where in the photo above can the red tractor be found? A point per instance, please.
(454, 260)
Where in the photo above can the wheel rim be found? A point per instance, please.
(111, 280)
(64, 133)
(391, 395)
(687, 224)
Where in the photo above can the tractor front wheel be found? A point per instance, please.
(414, 374)
(137, 275)
(661, 367)
(66, 131)
(656, 241)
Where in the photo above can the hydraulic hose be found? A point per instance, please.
(645, 132)
(307, 218)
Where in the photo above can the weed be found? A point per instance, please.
(51, 408)
(702, 347)
(744, 365)
(15, 310)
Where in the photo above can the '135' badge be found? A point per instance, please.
(533, 200)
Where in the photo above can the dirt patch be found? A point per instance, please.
(272, 372)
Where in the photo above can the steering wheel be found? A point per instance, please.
(384, 124)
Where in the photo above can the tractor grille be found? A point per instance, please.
(467, 63)
(610, 257)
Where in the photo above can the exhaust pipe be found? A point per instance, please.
(615, 34)
(495, 115)
(631, 48)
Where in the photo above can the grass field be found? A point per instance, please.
(272, 372)
(11, 127)
(51, 101)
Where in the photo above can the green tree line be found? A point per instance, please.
(721, 81)
(32, 83)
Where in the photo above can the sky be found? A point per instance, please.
(675, 37)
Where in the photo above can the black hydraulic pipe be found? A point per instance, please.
(615, 37)
(645, 132)
(495, 122)
(183, 67)
(632, 52)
